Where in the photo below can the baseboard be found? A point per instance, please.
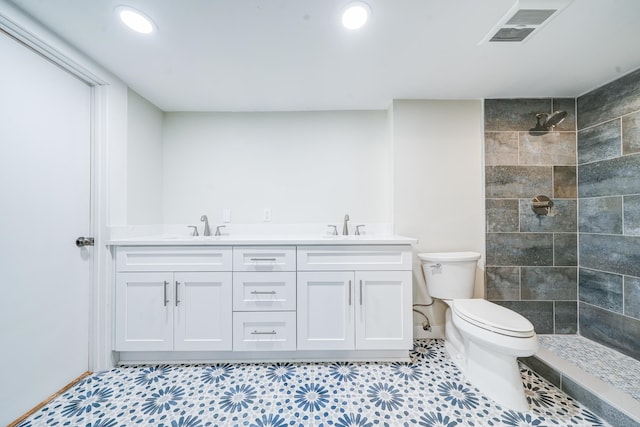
(49, 399)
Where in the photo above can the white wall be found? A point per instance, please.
(438, 180)
(144, 161)
(308, 167)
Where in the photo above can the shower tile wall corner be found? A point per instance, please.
(531, 260)
(609, 214)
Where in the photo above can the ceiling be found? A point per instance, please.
(293, 55)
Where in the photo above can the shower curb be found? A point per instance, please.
(616, 407)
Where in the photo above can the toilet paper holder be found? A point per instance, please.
(541, 205)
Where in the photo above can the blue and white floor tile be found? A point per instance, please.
(428, 391)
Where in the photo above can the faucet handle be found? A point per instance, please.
(218, 229)
(357, 233)
(335, 229)
(195, 230)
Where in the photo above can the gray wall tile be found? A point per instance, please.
(513, 114)
(615, 254)
(566, 317)
(565, 249)
(502, 215)
(553, 148)
(601, 289)
(610, 177)
(563, 217)
(632, 215)
(614, 330)
(512, 249)
(612, 100)
(518, 181)
(548, 283)
(631, 133)
(502, 283)
(599, 142)
(632, 296)
(565, 185)
(539, 313)
(600, 215)
(596, 404)
(501, 148)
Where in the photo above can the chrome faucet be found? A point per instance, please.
(345, 228)
(207, 230)
(218, 229)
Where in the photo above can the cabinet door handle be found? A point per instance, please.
(360, 292)
(263, 333)
(263, 292)
(349, 292)
(177, 298)
(165, 293)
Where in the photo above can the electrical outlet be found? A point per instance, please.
(266, 215)
(226, 215)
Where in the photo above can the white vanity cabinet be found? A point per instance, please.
(173, 299)
(354, 298)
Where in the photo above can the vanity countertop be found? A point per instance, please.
(261, 239)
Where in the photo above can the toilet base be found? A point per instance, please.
(496, 375)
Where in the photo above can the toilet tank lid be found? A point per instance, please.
(493, 316)
(449, 256)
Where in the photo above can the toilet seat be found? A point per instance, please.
(492, 317)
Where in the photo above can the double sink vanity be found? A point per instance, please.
(262, 298)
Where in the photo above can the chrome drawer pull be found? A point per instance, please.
(263, 292)
(360, 292)
(349, 292)
(177, 297)
(263, 333)
(263, 260)
(165, 293)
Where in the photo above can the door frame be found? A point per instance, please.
(32, 35)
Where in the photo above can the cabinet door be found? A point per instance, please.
(383, 310)
(202, 304)
(325, 311)
(144, 312)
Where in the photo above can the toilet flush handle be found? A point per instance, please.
(438, 265)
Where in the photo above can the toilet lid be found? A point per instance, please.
(493, 317)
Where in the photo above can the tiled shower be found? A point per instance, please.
(576, 270)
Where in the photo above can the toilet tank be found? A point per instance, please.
(450, 275)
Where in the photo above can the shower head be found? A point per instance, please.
(555, 119)
(546, 122)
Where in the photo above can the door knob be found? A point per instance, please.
(84, 241)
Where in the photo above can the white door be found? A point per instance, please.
(383, 310)
(203, 313)
(325, 311)
(144, 311)
(45, 146)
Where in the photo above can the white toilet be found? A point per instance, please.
(484, 339)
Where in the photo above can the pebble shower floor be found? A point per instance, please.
(428, 391)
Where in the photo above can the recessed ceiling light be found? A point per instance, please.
(135, 20)
(355, 15)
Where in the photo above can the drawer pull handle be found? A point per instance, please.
(263, 259)
(256, 332)
(360, 292)
(165, 293)
(263, 292)
(177, 297)
(349, 292)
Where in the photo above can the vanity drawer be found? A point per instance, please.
(264, 258)
(257, 291)
(338, 258)
(264, 331)
(174, 258)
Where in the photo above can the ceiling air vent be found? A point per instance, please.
(524, 19)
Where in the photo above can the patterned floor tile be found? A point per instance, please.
(428, 391)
